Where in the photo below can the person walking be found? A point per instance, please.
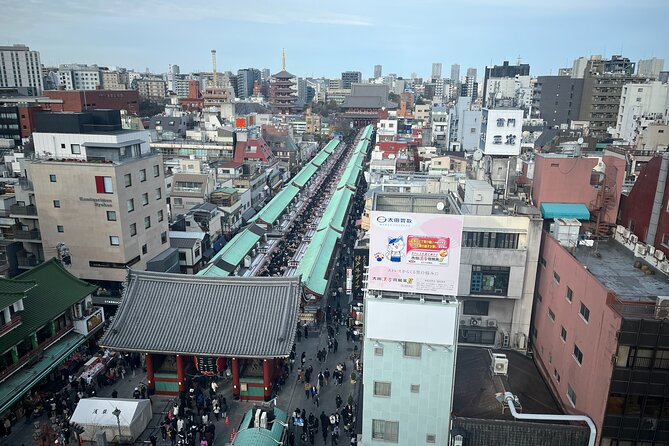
(338, 401)
(335, 345)
(326, 375)
(303, 358)
(307, 390)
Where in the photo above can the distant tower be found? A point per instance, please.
(283, 59)
(378, 71)
(213, 62)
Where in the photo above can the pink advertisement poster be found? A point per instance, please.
(415, 253)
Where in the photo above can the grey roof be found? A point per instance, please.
(363, 101)
(205, 315)
(518, 433)
(203, 207)
(184, 243)
(245, 108)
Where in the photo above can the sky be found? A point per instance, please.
(324, 38)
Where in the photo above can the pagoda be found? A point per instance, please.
(283, 90)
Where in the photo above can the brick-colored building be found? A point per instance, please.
(79, 100)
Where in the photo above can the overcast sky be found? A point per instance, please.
(324, 38)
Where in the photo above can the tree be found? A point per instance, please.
(394, 97)
(148, 107)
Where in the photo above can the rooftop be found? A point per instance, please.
(614, 268)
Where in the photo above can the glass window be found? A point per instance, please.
(578, 354)
(163, 237)
(52, 178)
(570, 294)
(475, 307)
(571, 395)
(160, 215)
(131, 205)
(412, 349)
(156, 170)
(60, 228)
(551, 315)
(142, 175)
(145, 199)
(584, 312)
(563, 334)
(104, 185)
(556, 277)
(381, 388)
(415, 388)
(127, 180)
(615, 404)
(76, 149)
(133, 229)
(490, 280)
(145, 249)
(114, 240)
(159, 193)
(56, 203)
(147, 222)
(111, 215)
(385, 430)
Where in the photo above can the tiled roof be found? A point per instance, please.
(215, 316)
(56, 291)
(13, 290)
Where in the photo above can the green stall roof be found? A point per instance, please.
(350, 176)
(320, 158)
(227, 259)
(304, 175)
(565, 210)
(248, 436)
(339, 204)
(313, 267)
(272, 210)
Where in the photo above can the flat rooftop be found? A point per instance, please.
(614, 268)
(476, 387)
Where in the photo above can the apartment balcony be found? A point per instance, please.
(19, 210)
(29, 235)
(26, 261)
(14, 322)
(26, 184)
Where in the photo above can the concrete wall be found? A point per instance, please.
(596, 338)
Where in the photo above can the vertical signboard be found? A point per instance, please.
(360, 256)
(416, 253)
(349, 280)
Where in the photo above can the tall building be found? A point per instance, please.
(558, 99)
(20, 70)
(602, 86)
(246, 79)
(455, 73)
(501, 131)
(283, 90)
(650, 68)
(99, 193)
(504, 71)
(152, 88)
(639, 103)
(578, 67)
(378, 71)
(471, 72)
(350, 77)
(112, 80)
(79, 77)
(436, 70)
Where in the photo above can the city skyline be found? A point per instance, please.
(120, 33)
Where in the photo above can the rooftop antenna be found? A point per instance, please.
(213, 62)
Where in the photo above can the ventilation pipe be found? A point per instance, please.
(509, 398)
(657, 202)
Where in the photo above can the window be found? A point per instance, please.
(475, 308)
(111, 215)
(113, 240)
(490, 280)
(76, 149)
(156, 170)
(197, 252)
(556, 276)
(133, 229)
(539, 297)
(147, 222)
(56, 203)
(415, 388)
(145, 249)
(571, 395)
(60, 228)
(142, 175)
(556, 375)
(542, 261)
(490, 240)
(182, 256)
(570, 294)
(381, 388)
(385, 430)
(412, 349)
(104, 185)
(563, 334)
(665, 240)
(430, 438)
(163, 237)
(52, 178)
(578, 354)
(378, 351)
(178, 201)
(551, 315)
(159, 193)
(131, 205)
(160, 215)
(584, 312)
(127, 180)
(145, 199)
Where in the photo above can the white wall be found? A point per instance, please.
(501, 139)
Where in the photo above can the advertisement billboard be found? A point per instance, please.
(240, 123)
(415, 253)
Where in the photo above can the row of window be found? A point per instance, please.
(384, 388)
(130, 202)
(114, 240)
(490, 240)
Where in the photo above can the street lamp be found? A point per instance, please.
(117, 414)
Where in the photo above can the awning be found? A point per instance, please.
(565, 210)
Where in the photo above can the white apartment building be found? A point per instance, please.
(441, 123)
(21, 68)
(639, 101)
(501, 131)
(79, 77)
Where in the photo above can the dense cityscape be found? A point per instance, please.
(252, 256)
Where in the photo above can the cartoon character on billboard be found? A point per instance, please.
(395, 252)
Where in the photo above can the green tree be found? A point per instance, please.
(150, 108)
(394, 97)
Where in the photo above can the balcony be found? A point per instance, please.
(21, 210)
(26, 262)
(14, 322)
(27, 234)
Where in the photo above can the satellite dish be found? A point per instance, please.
(440, 206)
(478, 155)
(580, 140)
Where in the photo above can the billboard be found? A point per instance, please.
(415, 253)
(240, 123)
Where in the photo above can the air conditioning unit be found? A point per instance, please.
(475, 321)
(664, 267)
(78, 311)
(641, 249)
(662, 307)
(659, 255)
(626, 234)
(492, 323)
(651, 250)
(500, 364)
(633, 238)
(620, 229)
(458, 440)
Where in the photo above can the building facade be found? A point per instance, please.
(558, 99)
(501, 131)
(20, 70)
(79, 77)
(349, 78)
(639, 102)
